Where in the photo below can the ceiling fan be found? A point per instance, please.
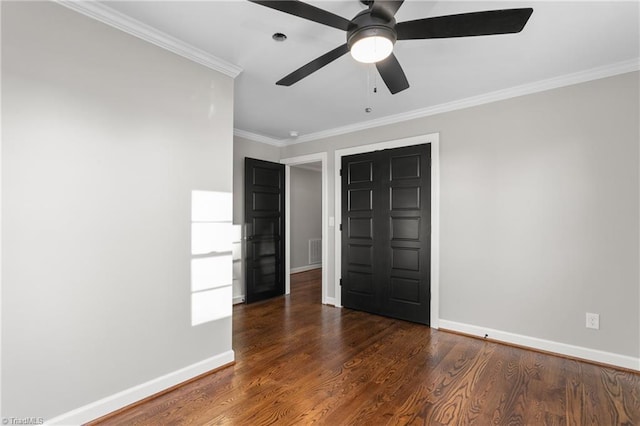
(372, 33)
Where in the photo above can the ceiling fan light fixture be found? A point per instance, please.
(371, 43)
(371, 49)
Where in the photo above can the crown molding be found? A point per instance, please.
(113, 18)
(499, 95)
(258, 138)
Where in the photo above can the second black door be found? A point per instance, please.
(264, 220)
(386, 231)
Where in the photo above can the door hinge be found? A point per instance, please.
(340, 282)
(340, 172)
(341, 227)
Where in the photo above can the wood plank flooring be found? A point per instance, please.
(299, 362)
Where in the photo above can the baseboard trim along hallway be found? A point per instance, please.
(305, 268)
(578, 352)
(132, 395)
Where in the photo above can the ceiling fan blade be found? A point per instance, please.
(385, 8)
(313, 66)
(392, 74)
(306, 11)
(489, 22)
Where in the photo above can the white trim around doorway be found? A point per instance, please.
(295, 161)
(434, 140)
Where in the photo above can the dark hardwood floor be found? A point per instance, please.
(299, 362)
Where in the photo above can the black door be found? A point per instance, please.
(386, 232)
(264, 224)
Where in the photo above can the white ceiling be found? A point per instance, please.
(560, 39)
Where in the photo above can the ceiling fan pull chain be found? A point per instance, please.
(375, 80)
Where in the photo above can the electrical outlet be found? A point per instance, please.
(593, 321)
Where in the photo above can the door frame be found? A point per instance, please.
(295, 161)
(434, 140)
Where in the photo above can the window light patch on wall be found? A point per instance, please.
(210, 206)
(210, 305)
(211, 237)
(212, 234)
(211, 272)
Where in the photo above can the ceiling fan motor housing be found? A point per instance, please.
(366, 25)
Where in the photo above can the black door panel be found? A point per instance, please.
(386, 208)
(264, 219)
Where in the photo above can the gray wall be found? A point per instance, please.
(539, 211)
(104, 137)
(306, 213)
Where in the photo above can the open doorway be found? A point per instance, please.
(305, 239)
(306, 218)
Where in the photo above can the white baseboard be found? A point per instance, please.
(238, 299)
(119, 400)
(305, 268)
(545, 345)
(330, 301)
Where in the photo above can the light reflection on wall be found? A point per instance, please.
(211, 258)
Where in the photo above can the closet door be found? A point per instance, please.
(360, 284)
(386, 205)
